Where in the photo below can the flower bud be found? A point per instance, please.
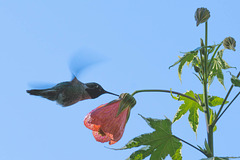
(201, 15)
(196, 69)
(202, 50)
(229, 43)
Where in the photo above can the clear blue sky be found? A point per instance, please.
(137, 40)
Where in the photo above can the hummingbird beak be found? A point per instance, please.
(112, 93)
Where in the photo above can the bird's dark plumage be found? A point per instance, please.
(68, 93)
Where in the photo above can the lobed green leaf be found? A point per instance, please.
(215, 70)
(192, 107)
(141, 153)
(215, 101)
(159, 124)
(187, 57)
(158, 144)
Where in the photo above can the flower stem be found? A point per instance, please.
(205, 92)
(190, 145)
(166, 91)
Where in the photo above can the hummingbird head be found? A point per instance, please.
(95, 90)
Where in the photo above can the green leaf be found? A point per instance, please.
(141, 153)
(178, 154)
(220, 77)
(192, 107)
(214, 128)
(222, 61)
(219, 158)
(215, 70)
(159, 144)
(204, 150)
(212, 48)
(174, 97)
(207, 148)
(196, 61)
(199, 78)
(210, 79)
(212, 118)
(235, 81)
(215, 101)
(187, 57)
(193, 118)
(215, 158)
(181, 111)
(212, 102)
(159, 125)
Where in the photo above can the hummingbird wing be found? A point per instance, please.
(41, 85)
(76, 81)
(83, 59)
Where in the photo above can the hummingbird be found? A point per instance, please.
(71, 92)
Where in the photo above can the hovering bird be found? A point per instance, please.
(69, 93)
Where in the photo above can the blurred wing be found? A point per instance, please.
(41, 85)
(82, 60)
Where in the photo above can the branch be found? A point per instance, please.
(225, 99)
(227, 107)
(214, 54)
(190, 145)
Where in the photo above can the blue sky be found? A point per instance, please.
(135, 42)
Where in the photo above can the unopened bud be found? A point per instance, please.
(202, 15)
(196, 69)
(229, 43)
(202, 44)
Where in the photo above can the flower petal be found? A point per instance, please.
(88, 120)
(100, 138)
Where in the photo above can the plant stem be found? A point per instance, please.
(227, 107)
(225, 99)
(189, 144)
(214, 54)
(205, 93)
(166, 91)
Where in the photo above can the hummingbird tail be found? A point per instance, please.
(46, 93)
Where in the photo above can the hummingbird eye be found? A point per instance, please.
(99, 88)
(95, 87)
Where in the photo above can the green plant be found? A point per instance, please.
(208, 63)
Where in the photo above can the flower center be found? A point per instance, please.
(100, 131)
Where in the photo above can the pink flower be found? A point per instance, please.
(108, 121)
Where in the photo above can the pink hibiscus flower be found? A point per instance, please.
(108, 121)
